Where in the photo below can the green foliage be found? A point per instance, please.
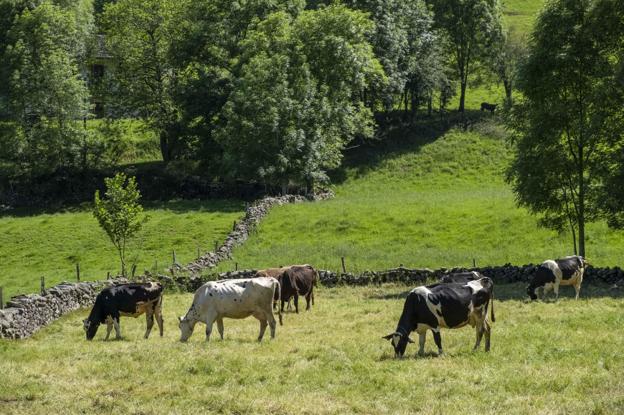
(546, 358)
(119, 212)
(564, 126)
(46, 95)
(292, 108)
(471, 28)
(139, 37)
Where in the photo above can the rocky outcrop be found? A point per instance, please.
(253, 215)
(25, 314)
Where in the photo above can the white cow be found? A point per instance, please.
(232, 299)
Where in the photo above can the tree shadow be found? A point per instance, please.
(398, 135)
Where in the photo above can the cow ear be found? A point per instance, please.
(180, 319)
(409, 340)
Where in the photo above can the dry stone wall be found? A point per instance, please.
(25, 314)
(253, 215)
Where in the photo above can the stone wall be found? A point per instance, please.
(25, 314)
(253, 215)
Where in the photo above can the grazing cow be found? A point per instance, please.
(238, 298)
(298, 280)
(125, 300)
(444, 306)
(461, 277)
(488, 107)
(553, 273)
(273, 273)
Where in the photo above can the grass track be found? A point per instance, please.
(547, 357)
(33, 244)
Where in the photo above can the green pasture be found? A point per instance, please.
(547, 357)
(36, 243)
(429, 202)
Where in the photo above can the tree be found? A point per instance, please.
(119, 213)
(46, 95)
(507, 54)
(139, 37)
(471, 27)
(563, 127)
(292, 108)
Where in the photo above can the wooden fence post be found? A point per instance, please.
(1, 299)
(198, 255)
(236, 266)
(78, 271)
(234, 226)
(344, 269)
(474, 263)
(133, 270)
(174, 258)
(216, 246)
(108, 275)
(42, 285)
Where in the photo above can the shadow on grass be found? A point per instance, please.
(517, 292)
(398, 135)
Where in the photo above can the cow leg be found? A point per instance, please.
(149, 319)
(307, 298)
(488, 331)
(296, 301)
(421, 343)
(263, 326)
(272, 323)
(220, 327)
(109, 327)
(159, 318)
(438, 340)
(209, 322)
(556, 289)
(577, 288)
(479, 332)
(117, 327)
(283, 304)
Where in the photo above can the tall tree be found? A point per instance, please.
(507, 54)
(471, 27)
(139, 36)
(46, 93)
(294, 106)
(563, 125)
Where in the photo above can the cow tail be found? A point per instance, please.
(492, 309)
(278, 287)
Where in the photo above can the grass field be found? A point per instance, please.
(435, 204)
(35, 244)
(546, 357)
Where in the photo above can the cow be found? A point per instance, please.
(461, 277)
(488, 107)
(236, 298)
(298, 280)
(553, 273)
(437, 306)
(125, 300)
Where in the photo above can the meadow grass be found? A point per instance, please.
(35, 243)
(438, 204)
(547, 357)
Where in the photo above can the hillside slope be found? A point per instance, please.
(436, 205)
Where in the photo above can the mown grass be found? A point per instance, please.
(546, 357)
(437, 204)
(35, 244)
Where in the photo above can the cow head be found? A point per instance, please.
(90, 328)
(186, 328)
(532, 292)
(399, 342)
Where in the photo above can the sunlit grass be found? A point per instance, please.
(562, 357)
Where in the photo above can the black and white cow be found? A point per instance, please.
(439, 306)
(553, 273)
(461, 277)
(125, 300)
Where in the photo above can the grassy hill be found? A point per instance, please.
(35, 244)
(422, 202)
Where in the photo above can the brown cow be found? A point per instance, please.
(298, 280)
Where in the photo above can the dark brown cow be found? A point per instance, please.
(298, 280)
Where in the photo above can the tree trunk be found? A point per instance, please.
(164, 146)
(462, 96)
(581, 202)
(508, 92)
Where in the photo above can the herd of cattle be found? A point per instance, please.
(456, 300)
